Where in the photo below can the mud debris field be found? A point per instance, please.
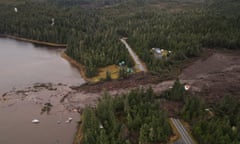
(214, 77)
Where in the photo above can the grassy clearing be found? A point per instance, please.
(112, 69)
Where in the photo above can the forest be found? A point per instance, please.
(216, 123)
(127, 119)
(92, 31)
(130, 118)
(221, 125)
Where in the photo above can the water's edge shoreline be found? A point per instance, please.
(73, 62)
(76, 64)
(42, 43)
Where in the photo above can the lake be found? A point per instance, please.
(22, 65)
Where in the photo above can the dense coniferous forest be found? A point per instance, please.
(184, 33)
(92, 29)
(224, 125)
(216, 123)
(132, 118)
(129, 118)
(91, 39)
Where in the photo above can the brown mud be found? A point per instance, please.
(216, 76)
(213, 77)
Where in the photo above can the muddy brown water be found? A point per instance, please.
(21, 65)
(24, 64)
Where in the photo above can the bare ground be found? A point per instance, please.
(212, 77)
(216, 76)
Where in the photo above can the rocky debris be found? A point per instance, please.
(48, 86)
(212, 83)
(133, 80)
(46, 108)
(216, 76)
(47, 95)
(4, 94)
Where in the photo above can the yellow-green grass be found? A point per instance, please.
(102, 73)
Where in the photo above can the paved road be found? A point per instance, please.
(137, 61)
(182, 131)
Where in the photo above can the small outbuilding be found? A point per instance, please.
(160, 53)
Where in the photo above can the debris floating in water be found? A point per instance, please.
(15, 9)
(69, 120)
(35, 121)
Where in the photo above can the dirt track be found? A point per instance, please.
(139, 66)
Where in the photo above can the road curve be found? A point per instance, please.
(182, 131)
(138, 64)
